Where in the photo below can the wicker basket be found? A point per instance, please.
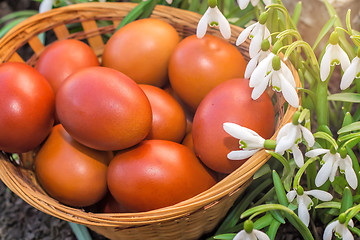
(189, 219)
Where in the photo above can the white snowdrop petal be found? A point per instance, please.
(307, 135)
(243, 4)
(260, 88)
(288, 74)
(319, 194)
(350, 73)
(350, 177)
(291, 195)
(289, 92)
(255, 44)
(329, 230)
(45, 5)
(333, 170)
(316, 152)
(241, 154)
(240, 235)
(224, 24)
(238, 131)
(267, 2)
(260, 235)
(245, 34)
(260, 72)
(203, 24)
(325, 63)
(342, 57)
(324, 173)
(351, 223)
(303, 211)
(284, 130)
(169, 1)
(298, 156)
(254, 2)
(251, 66)
(346, 234)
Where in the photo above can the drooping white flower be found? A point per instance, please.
(252, 64)
(213, 17)
(288, 138)
(352, 72)
(331, 162)
(304, 202)
(281, 80)
(257, 32)
(254, 235)
(46, 5)
(249, 233)
(334, 54)
(250, 142)
(340, 230)
(244, 3)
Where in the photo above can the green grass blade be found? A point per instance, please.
(81, 232)
(326, 28)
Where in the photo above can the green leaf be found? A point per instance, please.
(282, 159)
(279, 189)
(347, 200)
(349, 128)
(345, 97)
(297, 13)
(10, 25)
(265, 169)
(227, 236)
(330, 204)
(136, 12)
(264, 221)
(327, 137)
(355, 230)
(273, 228)
(326, 28)
(18, 14)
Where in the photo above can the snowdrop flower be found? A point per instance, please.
(250, 142)
(334, 54)
(332, 160)
(304, 201)
(264, 52)
(341, 231)
(289, 137)
(257, 32)
(46, 5)
(352, 72)
(249, 233)
(272, 71)
(244, 3)
(213, 17)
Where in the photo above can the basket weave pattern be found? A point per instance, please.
(189, 219)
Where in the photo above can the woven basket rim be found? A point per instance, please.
(230, 184)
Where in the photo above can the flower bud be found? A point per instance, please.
(276, 63)
(248, 226)
(265, 45)
(263, 18)
(342, 218)
(334, 38)
(300, 190)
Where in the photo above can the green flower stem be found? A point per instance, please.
(322, 103)
(311, 173)
(301, 172)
